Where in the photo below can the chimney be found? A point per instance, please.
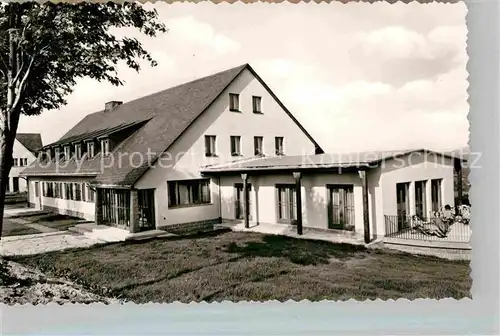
(111, 105)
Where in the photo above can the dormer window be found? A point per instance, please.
(57, 154)
(67, 152)
(78, 151)
(105, 146)
(90, 149)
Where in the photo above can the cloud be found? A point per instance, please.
(396, 42)
(189, 29)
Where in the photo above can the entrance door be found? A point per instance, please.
(341, 207)
(286, 204)
(402, 204)
(239, 206)
(146, 209)
(15, 184)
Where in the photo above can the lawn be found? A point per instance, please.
(250, 266)
(11, 228)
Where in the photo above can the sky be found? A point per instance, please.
(357, 76)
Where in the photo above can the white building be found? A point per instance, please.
(181, 157)
(26, 146)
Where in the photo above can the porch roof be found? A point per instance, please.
(316, 162)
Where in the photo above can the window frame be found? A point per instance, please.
(276, 150)
(173, 187)
(208, 150)
(235, 153)
(345, 210)
(236, 97)
(255, 151)
(257, 102)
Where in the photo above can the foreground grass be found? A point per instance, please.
(250, 266)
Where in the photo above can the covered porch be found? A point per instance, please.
(132, 210)
(322, 201)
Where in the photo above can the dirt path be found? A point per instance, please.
(23, 285)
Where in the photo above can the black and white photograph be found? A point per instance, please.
(234, 152)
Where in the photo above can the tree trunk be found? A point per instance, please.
(6, 146)
(10, 116)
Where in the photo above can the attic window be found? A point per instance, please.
(234, 102)
(90, 149)
(78, 151)
(67, 152)
(57, 152)
(105, 146)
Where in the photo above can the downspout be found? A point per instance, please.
(220, 201)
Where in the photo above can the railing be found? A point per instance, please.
(432, 228)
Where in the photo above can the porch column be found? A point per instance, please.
(428, 199)
(411, 196)
(134, 211)
(97, 205)
(366, 219)
(244, 177)
(458, 170)
(298, 186)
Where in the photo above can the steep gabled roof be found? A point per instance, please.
(32, 141)
(167, 115)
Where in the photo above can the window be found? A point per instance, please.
(25, 162)
(78, 192)
(82, 188)
(44, 188)
(91, 194)
(57, 152)
(341, 207)
(210, 145)
(256, 102)
(78, 151)
(67, 152)
(420, 199)
(21, 162)
(56, 191)
(16, 162)
(69, 191)
(258, 145)
(36, 189)
(234, 102)
(188, 192)
(235, 145)
(90, 149)
(105, 146)
(436, 194)
(49, 190)
(278, 144)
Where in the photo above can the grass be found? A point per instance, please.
(250, 266)
(54, 221)
(11, 228)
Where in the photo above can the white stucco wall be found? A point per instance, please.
(412, 168)
(19, 152)
(314, 197)
(64, 206)
(185, 157)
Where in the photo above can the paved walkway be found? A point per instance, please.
(44, 242)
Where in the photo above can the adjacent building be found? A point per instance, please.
(26, 146)
(224, 147)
